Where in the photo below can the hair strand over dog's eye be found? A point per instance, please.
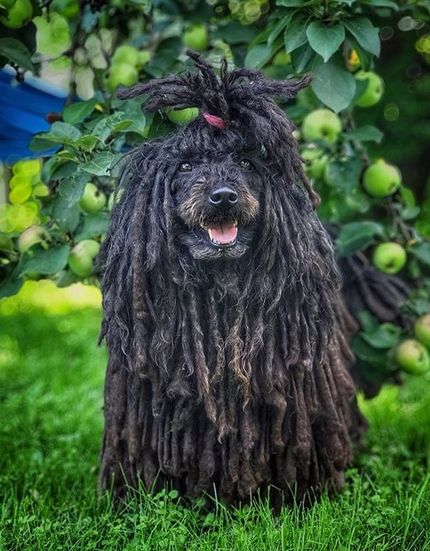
(245, 164)
(185, 167)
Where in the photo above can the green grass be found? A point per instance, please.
(51, 377)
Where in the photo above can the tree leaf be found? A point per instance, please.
(106, 126)
(234, 33)
(94, 225)
(367, 353)
(64, 170)
(278, 28)
(344, 174)
(10, 286)
(365, 133)
(72, 188)
(45, 262)
(100, 163)
(293, 3)
(420, 305)
(122, 126)
(357, 236)
(79, 111)
(383, 337)
(295, 33)
(325, 39)
(88, 143)
(60, 133)
(421, 251)
(132, 110)
(258, 56)
(365, 33)
(407, 196)
(333, 85)
(367, 322)
(65, 214)
(301, 58)
(409, 213)
(16, 52)
(382, 4)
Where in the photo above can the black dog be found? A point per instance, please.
(224, 318)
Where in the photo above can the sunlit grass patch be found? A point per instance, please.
(46, 297)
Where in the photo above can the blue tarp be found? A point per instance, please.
(23, 110)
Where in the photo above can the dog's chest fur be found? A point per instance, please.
(236, 402)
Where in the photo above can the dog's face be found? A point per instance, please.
(216, 198)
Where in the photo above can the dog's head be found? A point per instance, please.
(218, 170)
(216, 196)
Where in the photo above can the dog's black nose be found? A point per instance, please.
(223, 197)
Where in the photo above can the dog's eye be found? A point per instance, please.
(185, 167)
(245, 164)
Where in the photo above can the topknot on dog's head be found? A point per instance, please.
(242, 100)
(228, 97)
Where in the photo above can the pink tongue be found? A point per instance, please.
(223, 233)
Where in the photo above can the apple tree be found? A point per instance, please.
(58, 203)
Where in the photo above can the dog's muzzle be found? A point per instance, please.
(223, 233)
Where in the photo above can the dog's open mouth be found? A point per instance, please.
(222, 234)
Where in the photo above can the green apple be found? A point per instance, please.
(196, 37)
(282, 58)
(18, 15)
(21, 217)
(374, 90)
(34, 235)
(182, 116)
(92, 199)
(422, 329)
(381, 179)
(121, 74)
(389, 257)
(412, 357)
(321, 124)
(126, 54)
(81, 257)
(68, 8)
(53, 34)
(20, 193)
(27, 168)
(316, 162)
(41, 190)
(144, 57)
